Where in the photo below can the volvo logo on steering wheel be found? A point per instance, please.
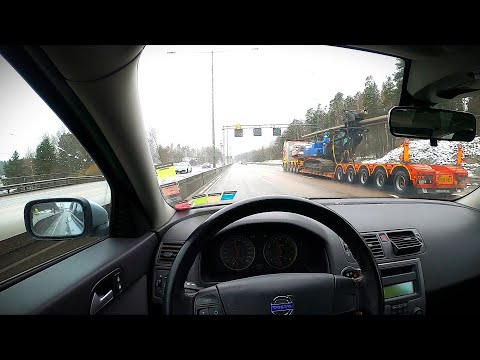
(282, 305)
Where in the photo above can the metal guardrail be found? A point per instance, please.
(33, 178)
(45, 184)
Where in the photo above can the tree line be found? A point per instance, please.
(372, 99)
(60, 153)
(376, 101)
(167, 154)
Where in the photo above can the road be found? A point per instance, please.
(254, 180)
(64, 225)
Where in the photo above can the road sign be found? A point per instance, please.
(257, 131)
(277, 131)
(238, 132)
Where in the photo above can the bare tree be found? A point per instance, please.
(153, 145)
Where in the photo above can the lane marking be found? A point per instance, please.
(58, 222)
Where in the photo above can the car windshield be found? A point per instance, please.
(308, 121)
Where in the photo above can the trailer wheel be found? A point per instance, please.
(363, 176)
(379, 179)
(351, 177)
(339, 174)
(401, 182)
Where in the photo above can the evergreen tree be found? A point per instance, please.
(14, 166)
(371, 97)
(45, 156)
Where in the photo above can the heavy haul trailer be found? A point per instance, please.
(335, 159)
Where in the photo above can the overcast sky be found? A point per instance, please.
(253, 84)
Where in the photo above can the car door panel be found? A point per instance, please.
(67, 287)
(134, 301)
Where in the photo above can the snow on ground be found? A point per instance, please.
(444, 154)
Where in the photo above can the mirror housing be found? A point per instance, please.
(65, 218)
(433, 124)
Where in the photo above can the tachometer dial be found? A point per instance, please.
(280, 251)
(237, 252)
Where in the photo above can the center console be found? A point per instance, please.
(403, 287)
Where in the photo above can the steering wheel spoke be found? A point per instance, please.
(280, 294)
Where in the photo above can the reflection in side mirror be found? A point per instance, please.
(428, 123)
(65, 218)
(62, 219)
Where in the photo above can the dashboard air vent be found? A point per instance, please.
(404, 242)
(168, 252)
(374, 244)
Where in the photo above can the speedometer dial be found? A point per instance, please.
(237, 252)
(280, 251)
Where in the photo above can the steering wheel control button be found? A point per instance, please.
(203, 311)
(215, 310)
(206, 300)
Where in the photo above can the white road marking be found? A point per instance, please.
(55, 228)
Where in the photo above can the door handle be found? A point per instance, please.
(99, 302)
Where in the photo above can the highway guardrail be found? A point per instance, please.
(45, 184)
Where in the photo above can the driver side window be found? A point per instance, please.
(39, 158)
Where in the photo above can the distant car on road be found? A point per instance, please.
(206, 165)
(182, 167)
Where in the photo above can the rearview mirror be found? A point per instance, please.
(64, 218)
(428, 123)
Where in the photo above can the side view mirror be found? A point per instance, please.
(65, 218)
(433, 124)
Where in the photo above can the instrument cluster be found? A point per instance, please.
(258, 250)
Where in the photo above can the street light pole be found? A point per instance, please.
(213, 112)
(213, 121)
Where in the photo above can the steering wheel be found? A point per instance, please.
(283, 293)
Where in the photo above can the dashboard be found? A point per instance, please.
(262, 248)
(427, 250)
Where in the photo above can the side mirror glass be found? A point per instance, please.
(64, 218)
(58, 219)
